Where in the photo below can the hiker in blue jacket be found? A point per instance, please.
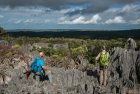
(39, 69)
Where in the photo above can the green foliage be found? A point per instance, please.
(91, 59)
(115, 42)
(75, 46)
(55, 56)
(8, 54)
(73, 43)
(138, 44)
(90, 56)
(77, 51)
(2, 32)
(64, 52)
(48, 51)
(34, 48)
(16, 46)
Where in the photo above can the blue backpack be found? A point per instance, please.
(35, 66)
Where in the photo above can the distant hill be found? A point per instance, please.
(84, 34)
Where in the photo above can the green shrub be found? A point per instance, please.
(2, 32)
(77, 51)
(34, 48)
(91, 59)
(8, 54)
(16, 46)
(47, 51)
(55, 56)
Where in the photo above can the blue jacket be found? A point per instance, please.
(37, 64)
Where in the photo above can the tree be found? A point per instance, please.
(2, 32)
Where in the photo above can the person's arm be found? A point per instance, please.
(43, 65)
(98, 56)
(44, 68)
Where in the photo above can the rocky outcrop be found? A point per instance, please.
(124, 70)
(123, 77)
(4, 42)
(60, 46)
(131, 44)
(67, 82)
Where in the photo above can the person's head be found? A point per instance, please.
(103, 47)
(41, 54)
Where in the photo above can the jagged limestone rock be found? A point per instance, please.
(123, 78)
(130, 44)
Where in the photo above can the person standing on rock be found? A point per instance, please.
(103, 58)
(39, 69)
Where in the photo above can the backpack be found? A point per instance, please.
(104, 60)
(35, 67)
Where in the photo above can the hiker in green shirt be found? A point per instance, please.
(103, 58)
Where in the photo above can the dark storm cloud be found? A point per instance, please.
(54, 4)
(138, 10)
(127, 10)
(94, 6)
(88, 10)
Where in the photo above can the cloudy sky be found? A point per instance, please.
(70, 14)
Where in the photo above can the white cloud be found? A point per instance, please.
(4, 9)
(113, 15)
(65, 20)
(80, 20)
(1, 16)
(117, 19)
(29, 21)
(129, 14)
(129, 8)
(24, 9)
(112, 10)
(124, 14)
(95, 19)
(125, 9)
(17, 21)
(20, 21)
